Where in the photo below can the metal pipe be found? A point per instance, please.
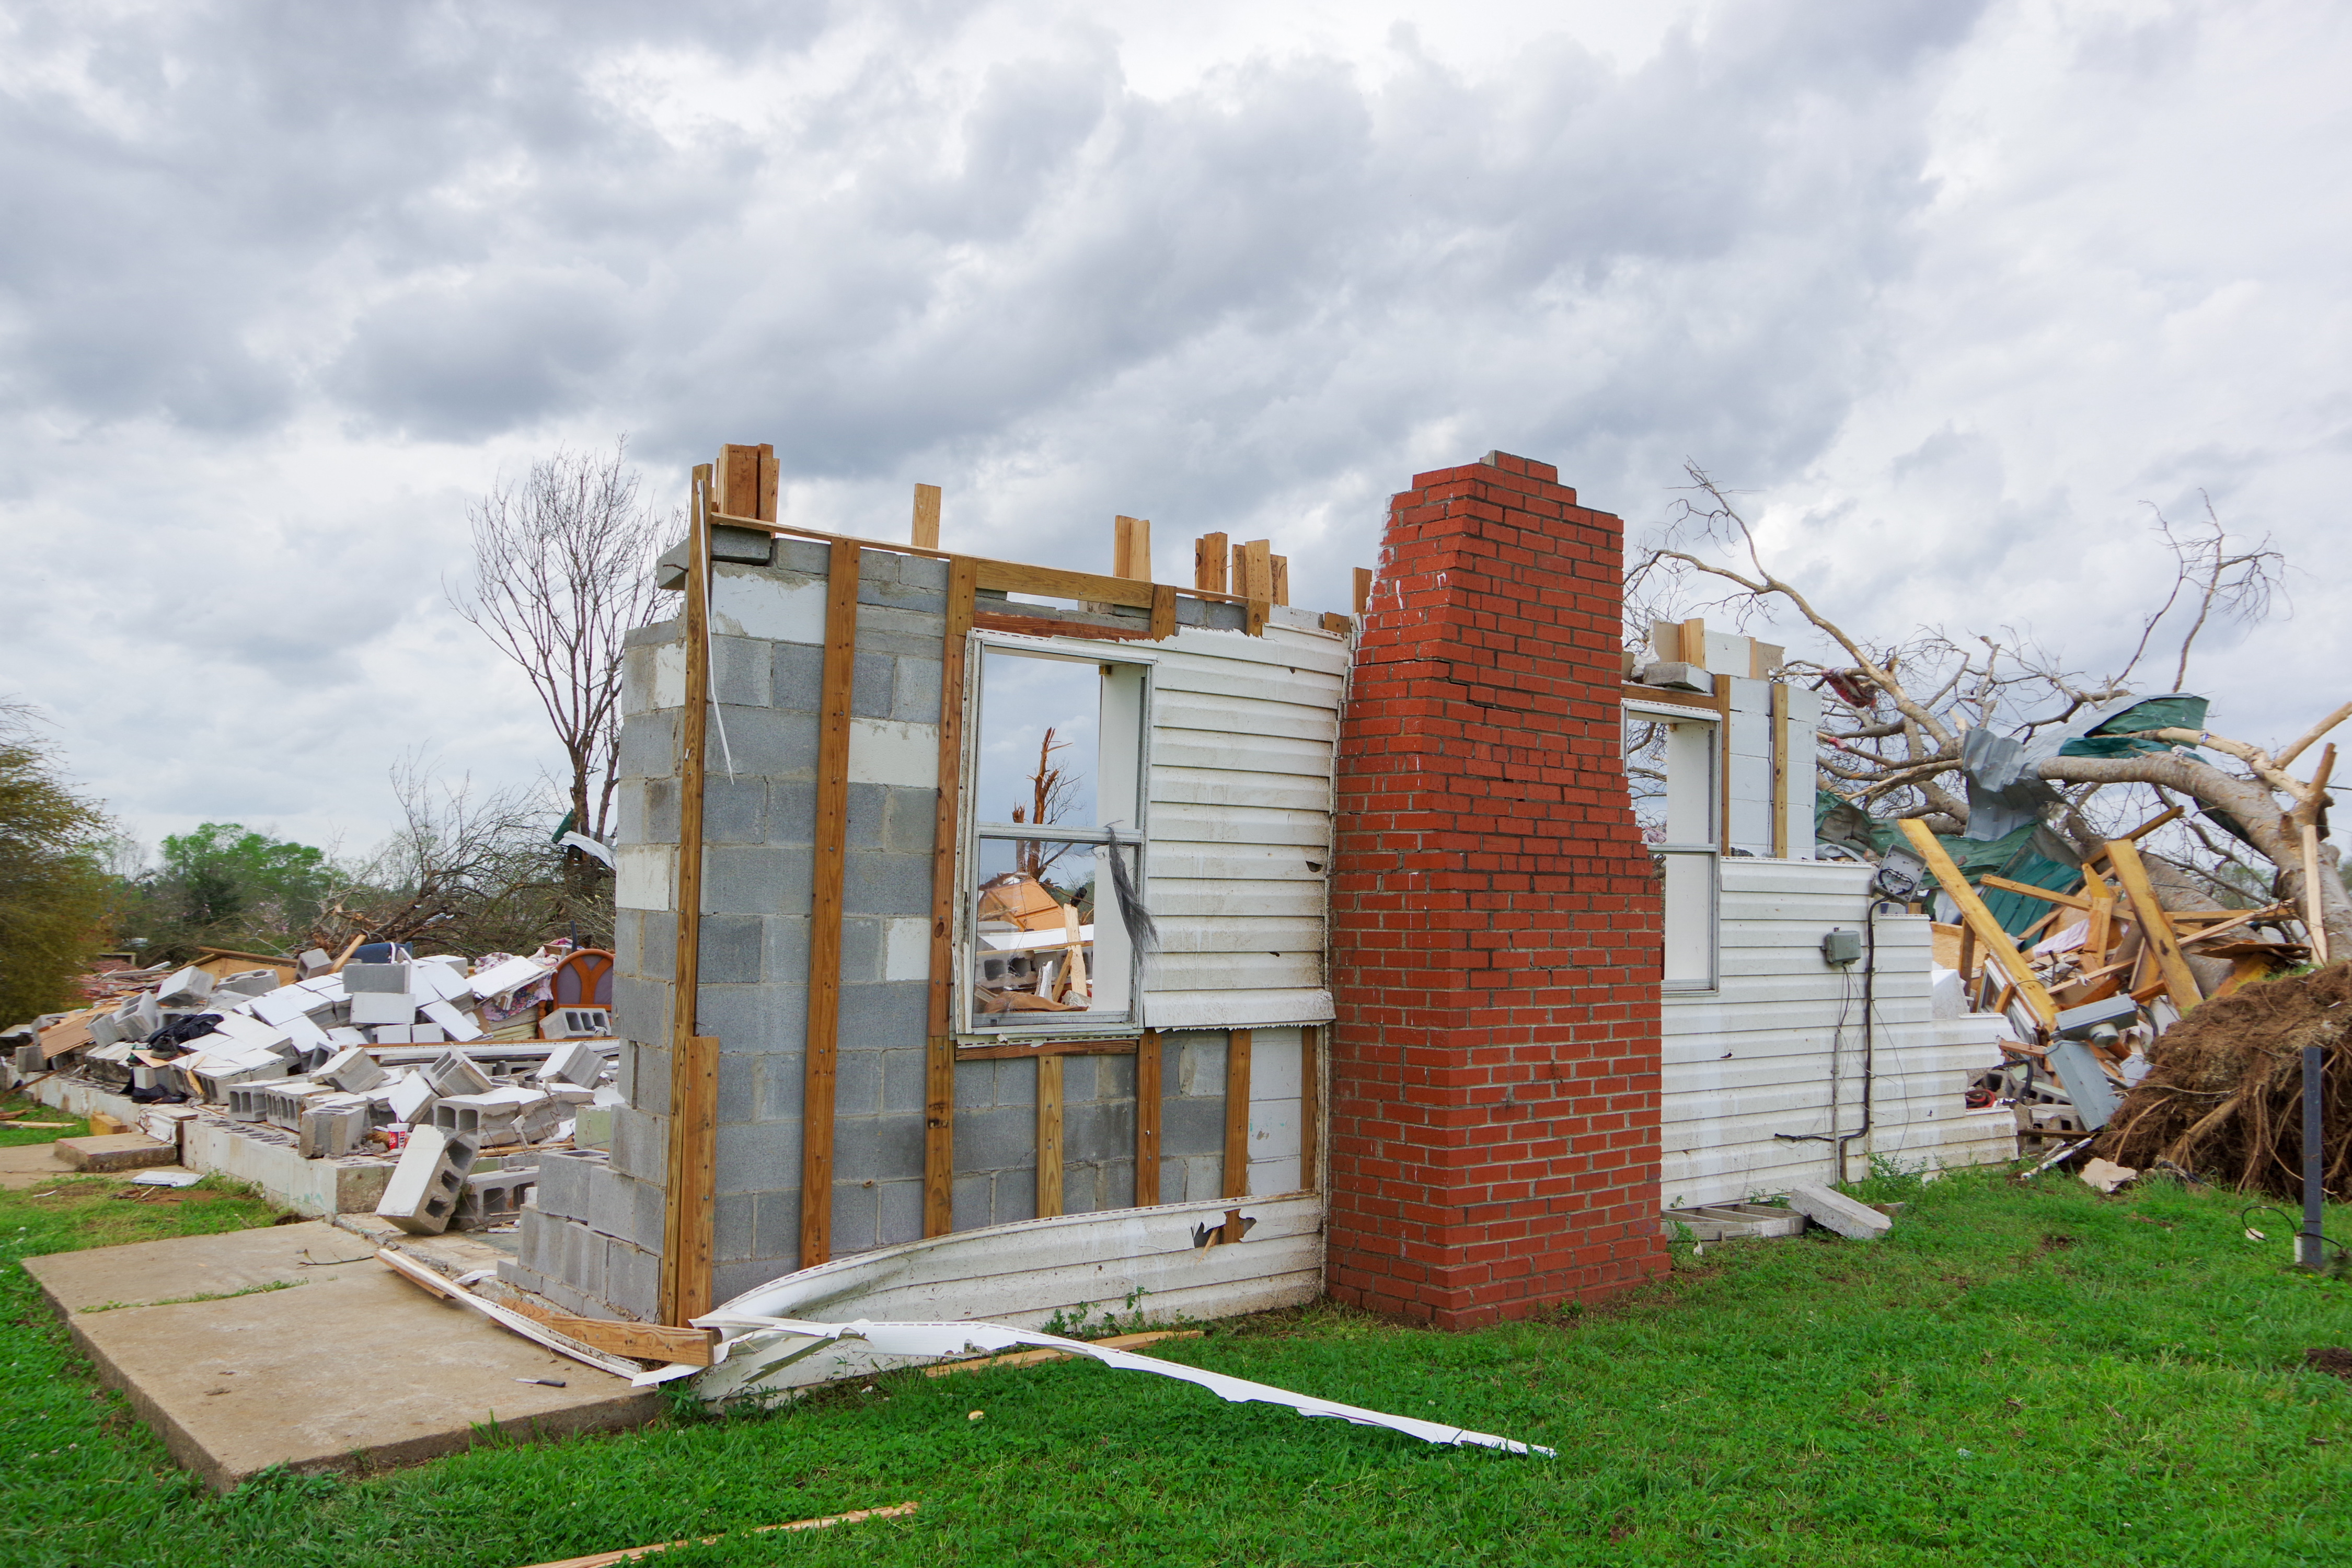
(2315, 1088)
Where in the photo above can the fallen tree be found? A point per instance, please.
(1898, 717)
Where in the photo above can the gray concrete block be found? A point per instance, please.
(802, 557)
(878, 1148)
(640, 1007)
(901, 1213)
(755, 879)
(761, 1158)
(628, 934)
(792, 811)
(1078, 1079)
(1200, 1067)
(740, 668)
(778, 1232)
(916, 633)
(649, 1084)
(649, 744)
(905, 1080)
(647, 1226)
(856, 1216)
(1098, 1129)
(861, 950)
(733, 949)
(895, 1013)
(1171, 1182)
(915, 698)
(787, 954)
(563, 1187)
(659, 801)
(1001, 1139)
(975, 1085)
(658, 950)
(770, 740)
(756, 1018)
(584, 1255)
(865, 806)
(872, 685)
(910, 822)
(747, 546)
(970, 1205)
(1192, 1126)
(1016, 1082)
(640, 1144)
(857, 1083)
(1016, 1196)
(781, 1078)
(636, 682)
(1834, 1210)
(734, 811)
(1114, 1077)
(660, 632)
(729, 1281)
(611, 1209)
(877, 882)
(739, 1086)
(633, 1280)
(731, 1228)
(920, 571)
(796, 677)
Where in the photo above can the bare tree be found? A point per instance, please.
(562, 571)
(1895, 713)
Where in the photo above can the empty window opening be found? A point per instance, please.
(1671, 766)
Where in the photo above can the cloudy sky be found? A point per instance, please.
(1954, 291)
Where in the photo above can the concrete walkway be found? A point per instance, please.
(308, 1352)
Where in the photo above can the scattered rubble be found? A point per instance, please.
(454, 1073)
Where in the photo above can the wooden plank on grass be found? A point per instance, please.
(1978, 919)
(631, 1554)
(2155, 926)
(820, 1064)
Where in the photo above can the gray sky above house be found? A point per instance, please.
(1954, 291)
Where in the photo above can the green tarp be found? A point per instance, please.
(2013, 856)
(2113, 738)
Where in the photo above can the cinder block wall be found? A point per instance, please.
(1495, 927)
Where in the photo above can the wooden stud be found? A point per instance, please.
(820, 1064)
(1237, 1095)
(683, 1290)
(1254, 619)
(1163, 611)
(1780, 712)
(742, 471)
(926, 530)
(2315, 931)
(2068, 900)
(1363, 589)
(1310, 1107)
(1973, 911)
(2156, 931)
(1147, 1121)
(1690, 640)
(1278, 578)
(1049, 1137)
(1209, 563)
(1254, 571)
(772, 477)
(1130, 551)
(1050, 627)
(646, 1342)
(938, 1066)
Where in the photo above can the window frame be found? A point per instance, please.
(973, 829)
(1707, 852)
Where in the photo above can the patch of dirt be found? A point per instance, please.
(2334, 1360)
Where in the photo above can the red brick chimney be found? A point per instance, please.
(1494, 926)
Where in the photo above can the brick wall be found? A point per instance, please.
(1494, 1115)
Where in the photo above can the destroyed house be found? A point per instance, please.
(1000, 942)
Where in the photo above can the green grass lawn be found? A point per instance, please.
(2018, 1376)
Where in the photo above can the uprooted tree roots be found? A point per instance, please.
(2223, 1097)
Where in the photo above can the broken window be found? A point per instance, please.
(1053, 867)
(1672, 764)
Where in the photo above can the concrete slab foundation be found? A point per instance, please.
(344, 1367)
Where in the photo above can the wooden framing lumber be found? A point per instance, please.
(1163, 611)
(1363, 589)
(2314, 930)
(940, 1052)
(1049, 1137)
(820, 1064)
(646, 1342)
(1130, 551)
(1254, 571)
(1978, 919)
(631, 1554)
(2156, 928)
(1279, 579)
(1209, 562)
(684, 1291)
(925, 529)
(2072, 901)
(1029, 626)
(1238, 1104)
(1779, 721)
(1147, 1119)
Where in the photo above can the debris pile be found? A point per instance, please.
(2224, 1094)
(432, 1062)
